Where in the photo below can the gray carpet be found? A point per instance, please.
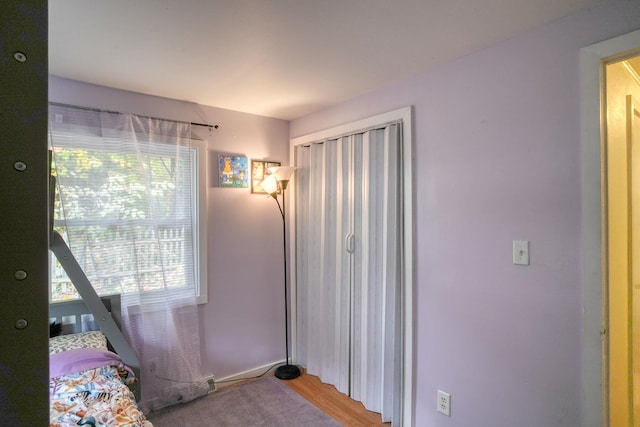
(263, 402)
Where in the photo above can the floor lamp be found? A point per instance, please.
(275, 184)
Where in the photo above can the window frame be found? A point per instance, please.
(200, 221)
(198, 148)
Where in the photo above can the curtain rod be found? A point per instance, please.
(119, 112)
(204, 125)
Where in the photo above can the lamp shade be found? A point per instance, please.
(270, 184)
(282, 173)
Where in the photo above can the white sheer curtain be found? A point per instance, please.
(126, 193)
(348, 271)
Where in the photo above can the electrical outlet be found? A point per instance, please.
(212, 384)
(152, 365)
(444, 403)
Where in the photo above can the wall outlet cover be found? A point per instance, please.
(444, 403)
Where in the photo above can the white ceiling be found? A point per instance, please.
(277, 58)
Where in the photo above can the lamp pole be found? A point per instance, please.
(286, 371)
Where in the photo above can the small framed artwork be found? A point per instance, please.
(259, 171)
(233, 171)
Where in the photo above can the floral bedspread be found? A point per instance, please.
(94, 397)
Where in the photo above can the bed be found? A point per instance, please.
(94, 373)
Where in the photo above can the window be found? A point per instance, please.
(132, 210)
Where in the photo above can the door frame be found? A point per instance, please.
(405, 116)
(594, 252)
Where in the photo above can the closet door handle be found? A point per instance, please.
(350, 242)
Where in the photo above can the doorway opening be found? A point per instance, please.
(621, 148)
(606, 213)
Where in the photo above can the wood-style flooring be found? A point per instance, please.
(346, 411)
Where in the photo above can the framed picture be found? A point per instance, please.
(233, 171)
(259, 171)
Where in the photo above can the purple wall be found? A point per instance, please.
(242, 325)
(497, 158)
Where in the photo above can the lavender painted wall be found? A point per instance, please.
(242, 325)
(497, 158)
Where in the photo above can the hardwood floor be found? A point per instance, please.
(346, 411)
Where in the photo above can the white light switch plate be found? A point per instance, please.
(521, 252)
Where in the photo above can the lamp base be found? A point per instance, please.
(287, 372)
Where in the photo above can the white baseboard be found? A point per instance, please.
(223, 382)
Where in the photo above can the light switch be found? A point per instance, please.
(521, 252)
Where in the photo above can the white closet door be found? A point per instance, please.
(376, 285)
(348, 265)
(323, 273)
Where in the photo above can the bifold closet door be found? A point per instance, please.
(376, 311)
(323, 270)
(348, 224)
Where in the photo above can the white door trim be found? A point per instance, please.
(593, 267)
